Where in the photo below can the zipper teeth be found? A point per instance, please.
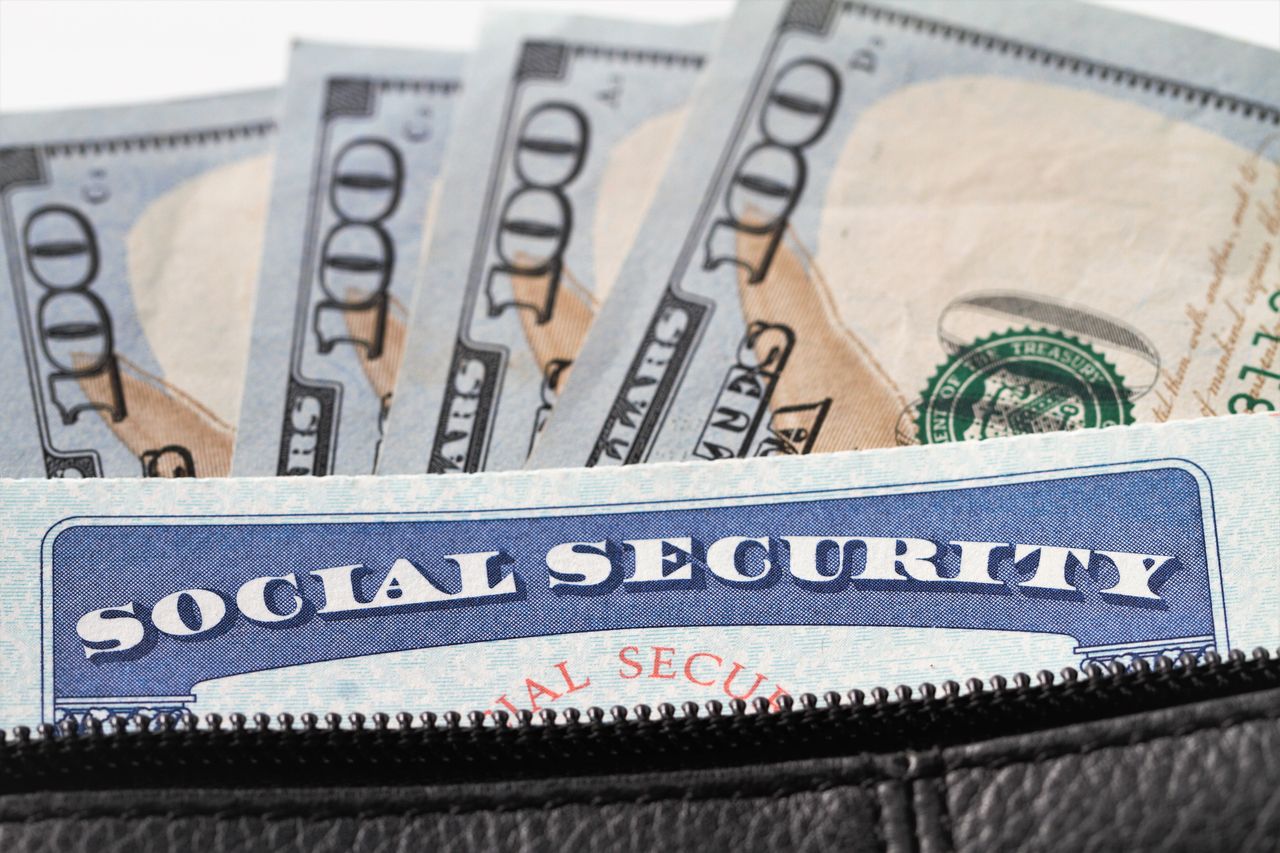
(1187, 666)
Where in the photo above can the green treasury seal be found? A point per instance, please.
(1020, 382)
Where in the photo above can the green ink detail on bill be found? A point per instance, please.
(1017, 382)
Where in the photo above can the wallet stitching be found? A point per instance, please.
(920, 784)
(872, 786)
(816, 783)
(1042, 755)
(305, 812)
(944, 808)
(909, 816)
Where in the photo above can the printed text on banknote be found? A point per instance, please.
(130, 240)
(918, 222)
(365, 131)
(567, 140)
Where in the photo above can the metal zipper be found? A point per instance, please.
(381, 748)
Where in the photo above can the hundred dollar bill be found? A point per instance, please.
(570, 124)
(573, 588)
(900, 222)
(129, 246)
(365, 129)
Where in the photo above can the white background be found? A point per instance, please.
(61, 53)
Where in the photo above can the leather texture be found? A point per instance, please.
(1196, 777)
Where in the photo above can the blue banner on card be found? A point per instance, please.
(1118, 561)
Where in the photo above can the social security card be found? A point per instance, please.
(695, 581)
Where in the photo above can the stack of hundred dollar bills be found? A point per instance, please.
(832, 345)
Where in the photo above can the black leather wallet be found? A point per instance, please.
(1170, 755)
